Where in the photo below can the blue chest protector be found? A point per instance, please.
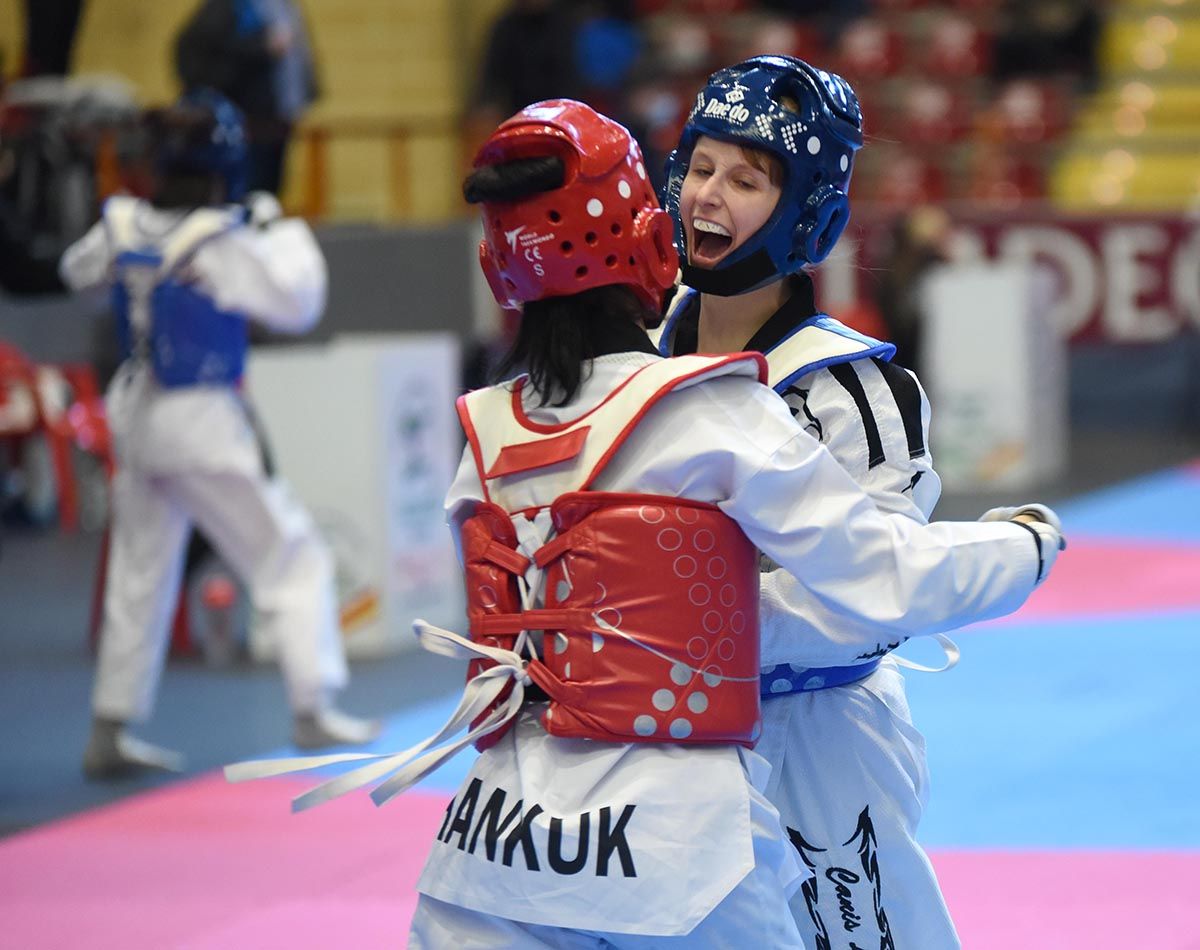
(187, 339)
(815, 343)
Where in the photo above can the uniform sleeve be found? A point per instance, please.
(86, 263)
(860, 577)
(873, 417)
(275, 275)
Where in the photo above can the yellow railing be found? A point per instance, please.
(376, 169)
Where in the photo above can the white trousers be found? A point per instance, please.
(850, 780)
(264, 535)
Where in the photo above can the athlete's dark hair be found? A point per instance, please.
(558, 337)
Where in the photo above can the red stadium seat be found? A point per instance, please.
(899, 5)
(652, 7)
(976, 7)
(931, 113)
(1029, 112)
(1002, 179)
(716, 7)
(954, 47)
(773, 35)
(906, 179)
(869, 49)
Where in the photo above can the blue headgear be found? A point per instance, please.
(816, 144)
(209, 138)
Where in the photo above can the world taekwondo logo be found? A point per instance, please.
(511, 237)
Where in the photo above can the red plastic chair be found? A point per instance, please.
(18, 374)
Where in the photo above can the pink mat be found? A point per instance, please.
(1096, 577)
(1087, 900)
(206, 865)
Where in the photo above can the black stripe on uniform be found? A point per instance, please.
(908, 400)
(845, 374)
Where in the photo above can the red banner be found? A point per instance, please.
(1119, 279)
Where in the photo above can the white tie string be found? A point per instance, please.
(414, 763)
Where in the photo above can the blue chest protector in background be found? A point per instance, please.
(178, 328)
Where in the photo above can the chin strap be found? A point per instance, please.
(755, 270)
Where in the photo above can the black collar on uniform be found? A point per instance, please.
(620, 336)
(801, 305)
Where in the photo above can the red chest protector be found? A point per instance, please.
(650, 604)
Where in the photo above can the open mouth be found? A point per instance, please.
(710, 242)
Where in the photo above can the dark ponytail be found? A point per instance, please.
(560, 336)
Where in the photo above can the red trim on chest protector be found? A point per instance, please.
(540, 453)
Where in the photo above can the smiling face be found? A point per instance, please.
(729, 192)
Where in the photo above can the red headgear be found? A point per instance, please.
(603, 226)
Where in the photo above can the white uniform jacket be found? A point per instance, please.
(273, 274)
(619, 837)
(873, 417)
(190, 453)
(849, 773)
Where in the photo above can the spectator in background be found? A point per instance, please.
(50, 27)
(919, 243)
(830, 18)
(529, 56)
(257, 53)
(25, 268)
(1046, 38)
(608, 45)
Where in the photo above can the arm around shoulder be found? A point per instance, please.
(888, 577)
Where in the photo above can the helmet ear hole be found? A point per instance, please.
(825, 216)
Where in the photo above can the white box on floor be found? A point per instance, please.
(364, 430)
(994, 369)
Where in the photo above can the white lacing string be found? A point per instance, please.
(694, 671)
(949, 647)
(414, 763)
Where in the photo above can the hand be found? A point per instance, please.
(279, 39)
(263, 208)
(1043, 523)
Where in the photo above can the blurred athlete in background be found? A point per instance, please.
(187, 271)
